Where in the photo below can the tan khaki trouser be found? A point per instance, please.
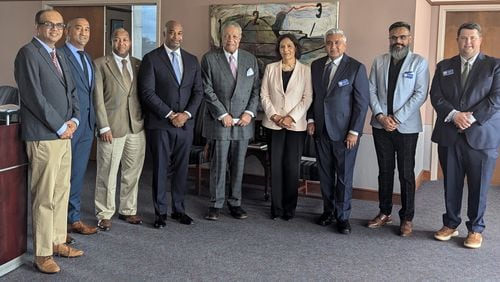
(129, 151)
(50, 163)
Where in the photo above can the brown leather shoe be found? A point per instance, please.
(46, 265)
(82, 228)
(380, 220)
(445, 233)
(132, 219)
(64, 250)
(104, 224)
(473, 240)
(406, 228)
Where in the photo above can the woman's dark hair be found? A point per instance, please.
(298, 48)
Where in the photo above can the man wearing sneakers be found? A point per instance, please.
(465, 93)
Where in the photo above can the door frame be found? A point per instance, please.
(46, 4)
(443, 10)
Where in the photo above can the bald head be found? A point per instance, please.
(173, 34)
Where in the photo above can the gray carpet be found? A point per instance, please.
(260, 249)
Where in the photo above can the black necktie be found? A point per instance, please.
(84, 65)
(326, 74)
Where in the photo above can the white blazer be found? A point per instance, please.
(409, 95)
(294, 102)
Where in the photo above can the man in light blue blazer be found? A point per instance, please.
(231, 85)
(399, 82)
(465, 93)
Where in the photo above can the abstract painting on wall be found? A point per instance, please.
(262, 24)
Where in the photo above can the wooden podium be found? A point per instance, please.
(13, 198)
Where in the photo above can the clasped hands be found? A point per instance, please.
(178, 119)
(463, 120)
(71, 128)
(283, 121)
(245, 119)
(388, 122)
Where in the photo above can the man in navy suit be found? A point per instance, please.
(77, 37)
(50, 114)
(336, 118)
(170, 88)
(465, 93)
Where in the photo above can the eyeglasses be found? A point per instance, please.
(402, 37)
(51, 25)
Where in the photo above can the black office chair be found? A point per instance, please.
(199, 150)
(9, 104)
(309, 170)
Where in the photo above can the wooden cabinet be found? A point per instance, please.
(13, 198)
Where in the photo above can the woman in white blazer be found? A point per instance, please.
(286, 94)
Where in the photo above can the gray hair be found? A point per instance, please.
(233, 24)
(333, 31)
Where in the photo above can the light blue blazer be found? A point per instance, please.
(409, 95)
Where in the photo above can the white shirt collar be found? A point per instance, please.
(119, 59)
(235, 55)
(471, 60)
(336, 61)
(169, 51)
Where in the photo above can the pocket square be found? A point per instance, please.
(250, 72)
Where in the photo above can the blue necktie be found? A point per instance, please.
(175, 65)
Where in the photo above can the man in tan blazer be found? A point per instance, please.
(121, 136)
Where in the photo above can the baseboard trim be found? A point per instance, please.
(312, 189)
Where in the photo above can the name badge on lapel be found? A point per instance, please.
(343, 82)
(250, 72)
(408, 74)
(448, 72)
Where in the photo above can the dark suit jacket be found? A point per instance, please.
(343, 106)
(84, 90)
(224, 94)
(47, 100)
(160, 92)
(481, 96)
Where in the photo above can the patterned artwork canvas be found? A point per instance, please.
(263, 23)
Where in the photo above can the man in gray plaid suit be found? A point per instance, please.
(231, 85)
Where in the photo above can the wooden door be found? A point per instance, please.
(491, 40)
(95, 16)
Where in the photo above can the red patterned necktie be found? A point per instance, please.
(56, 63)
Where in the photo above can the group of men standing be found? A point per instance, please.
(66, 97)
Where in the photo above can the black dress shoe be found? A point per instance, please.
(182, 218)
(160, 221)
(344, 227)
(325, 219)
(287, 217)
(237, 212)
(213, 214)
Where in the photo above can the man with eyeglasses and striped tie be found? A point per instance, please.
(50, 115)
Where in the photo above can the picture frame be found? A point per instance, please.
(114, 24)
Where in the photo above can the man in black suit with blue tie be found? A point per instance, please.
(77, 36)
(336, 118)
(465, 93)
(170, 89)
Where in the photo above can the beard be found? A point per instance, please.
(398, 53)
